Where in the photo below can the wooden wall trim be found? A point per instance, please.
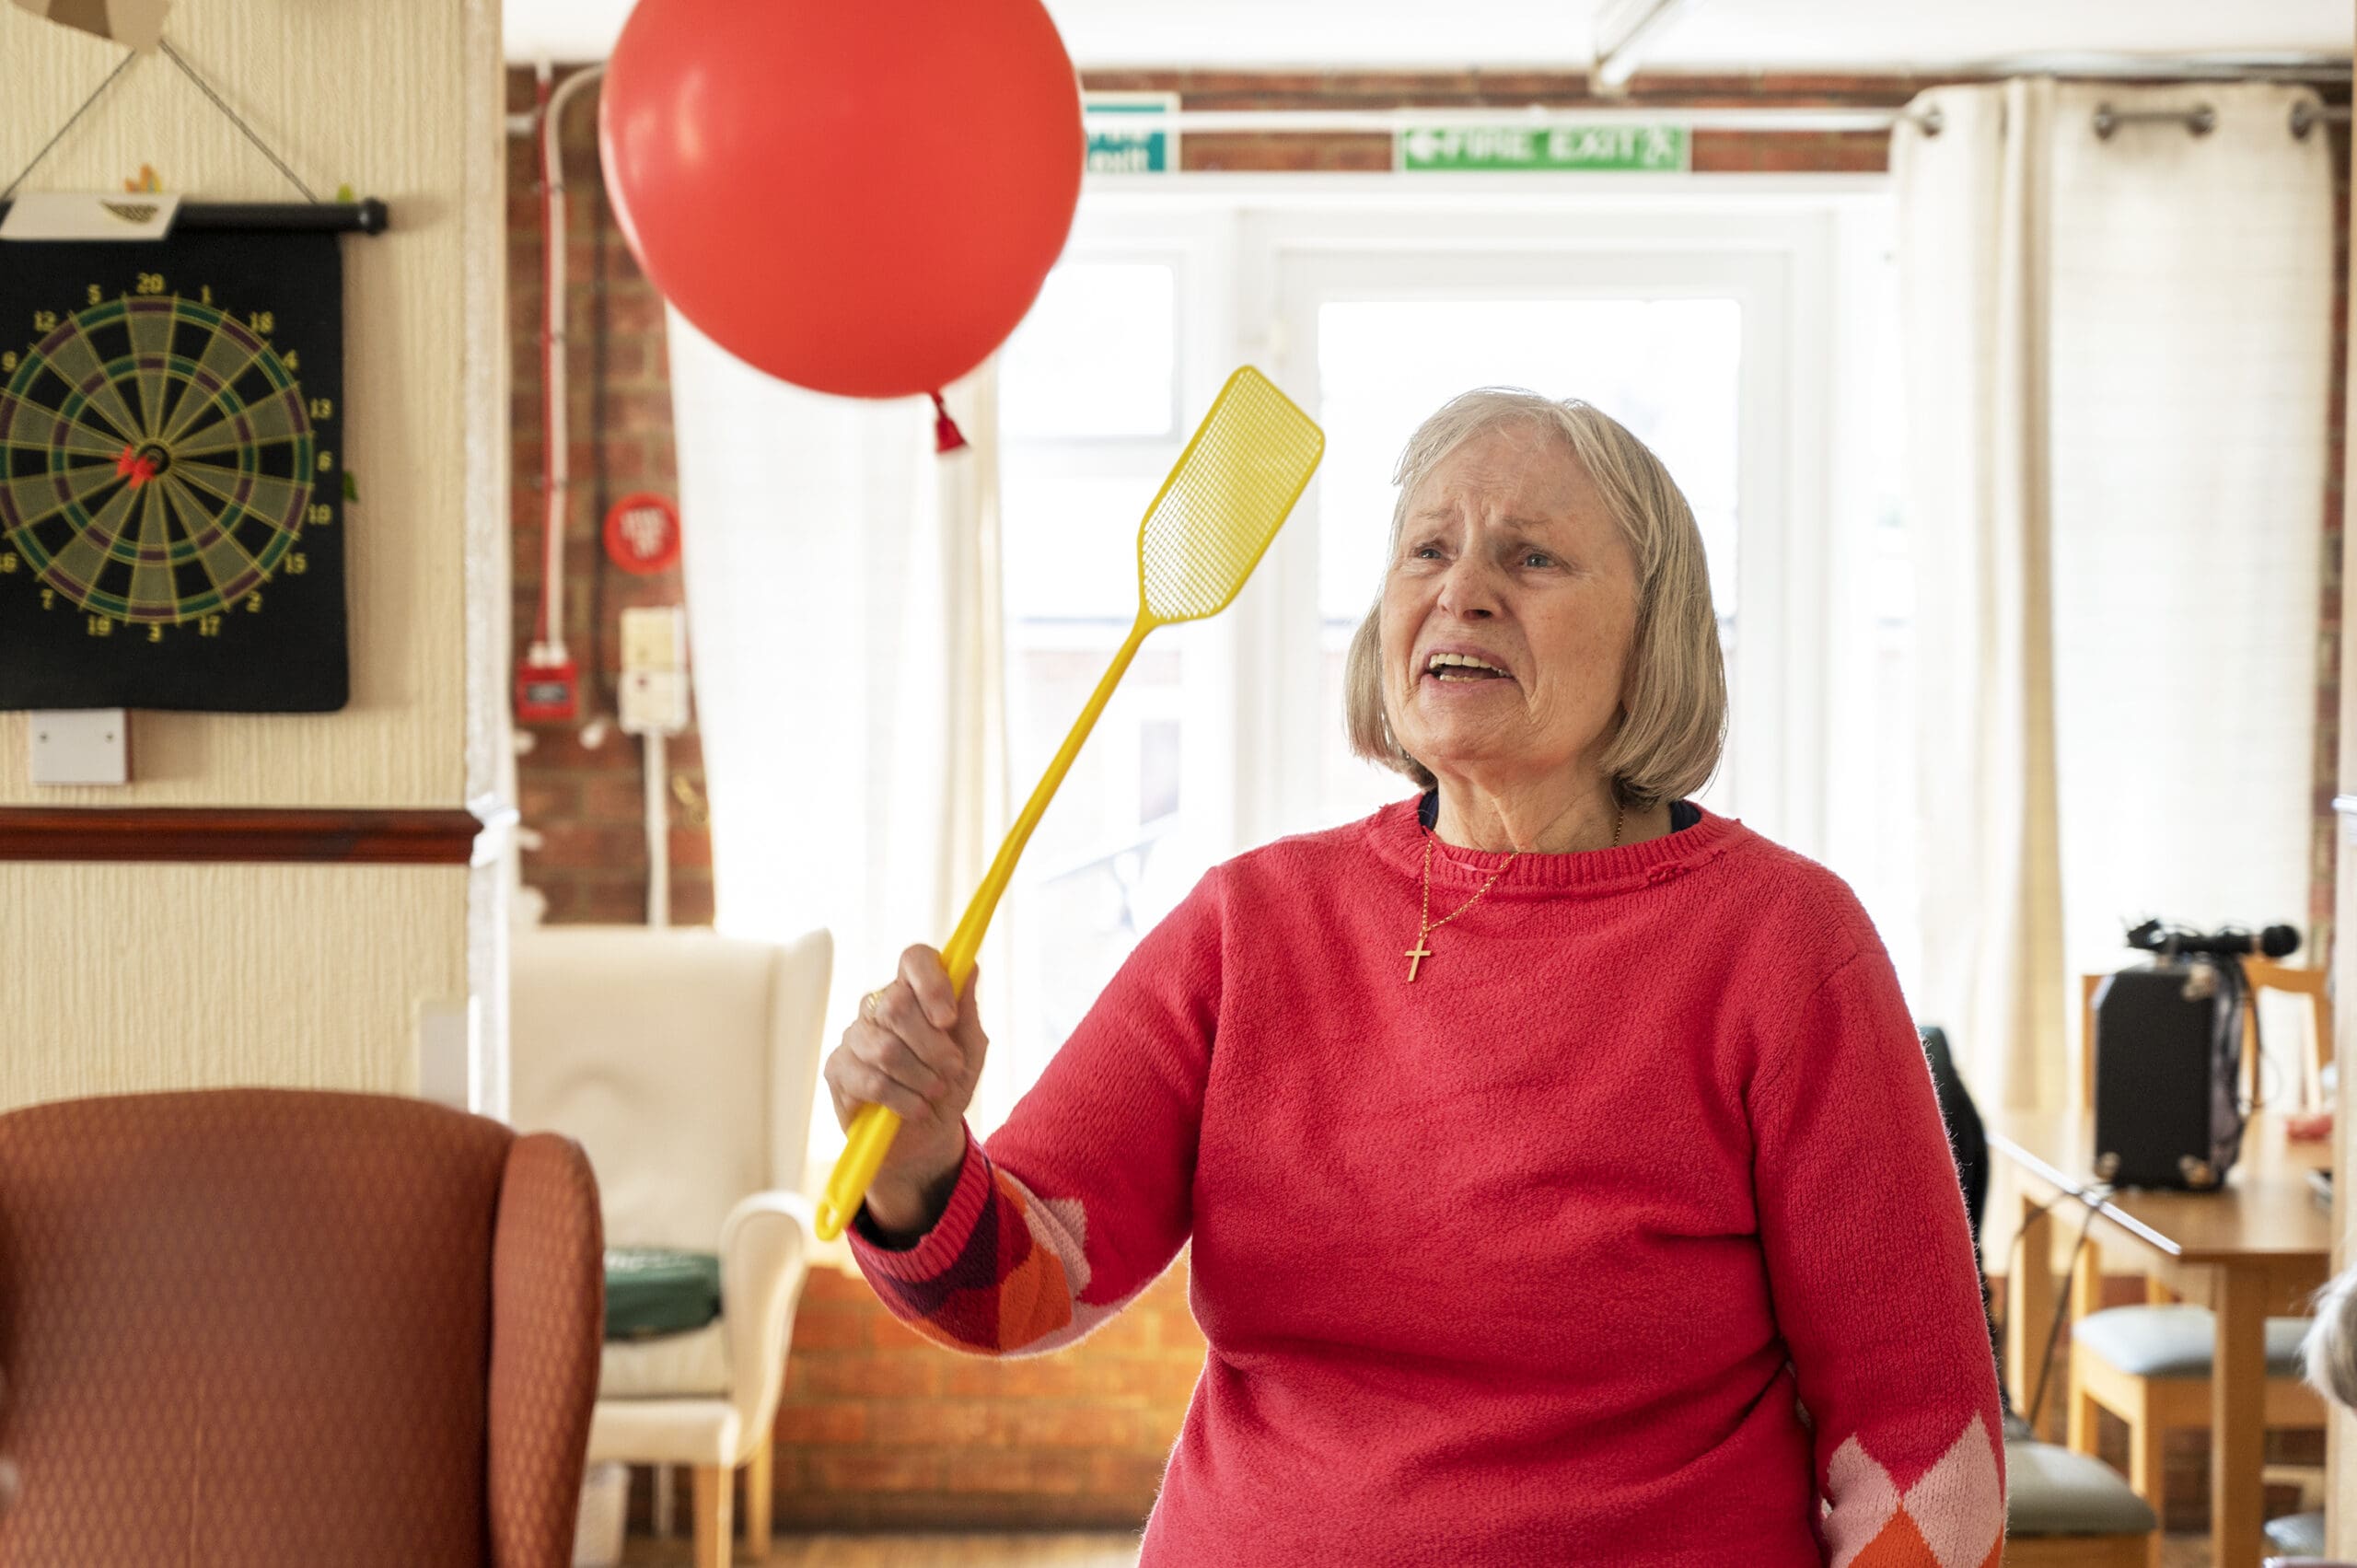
(242, 834)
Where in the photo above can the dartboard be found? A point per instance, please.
(172, 496)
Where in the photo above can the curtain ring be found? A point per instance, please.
(2303, 118)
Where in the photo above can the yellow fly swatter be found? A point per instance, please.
(1232, 489)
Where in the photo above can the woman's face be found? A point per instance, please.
(1508, 556)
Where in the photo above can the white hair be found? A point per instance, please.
(1675, 732)
(2331, 1347)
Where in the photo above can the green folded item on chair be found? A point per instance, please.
(654, 1290)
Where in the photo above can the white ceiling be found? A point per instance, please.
(1875, 35)
(1938, 34)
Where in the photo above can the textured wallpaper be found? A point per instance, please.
(379, 96)
(136, 976)
(124, 978)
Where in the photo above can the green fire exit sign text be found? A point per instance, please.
(1643, 149)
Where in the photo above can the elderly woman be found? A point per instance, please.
(1562, 1174)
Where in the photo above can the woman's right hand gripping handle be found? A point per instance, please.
(916, 1049)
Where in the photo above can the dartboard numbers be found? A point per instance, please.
(161, 459)
(165, 454)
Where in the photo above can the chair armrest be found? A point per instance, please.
(548, 1316)
(765, 1248)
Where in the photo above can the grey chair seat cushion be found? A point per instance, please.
(2051, 1491)
(2297, 1535)
(2176, 1342)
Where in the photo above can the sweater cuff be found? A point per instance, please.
(941, 1246)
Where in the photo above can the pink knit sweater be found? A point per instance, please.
(1626, 1233)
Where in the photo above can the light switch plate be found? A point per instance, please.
(654, 637)
(78, 746)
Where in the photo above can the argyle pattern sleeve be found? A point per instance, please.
(1875, 1290)
(1007, 1271)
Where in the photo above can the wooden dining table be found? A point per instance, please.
(2258, 1246)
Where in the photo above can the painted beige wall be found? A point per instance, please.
(145, 977)
(376, 96)
(130, 976)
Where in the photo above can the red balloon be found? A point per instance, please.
(856, 197)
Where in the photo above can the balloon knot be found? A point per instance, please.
(947, 437)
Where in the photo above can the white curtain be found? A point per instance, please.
(844, 610)
(2117, 350)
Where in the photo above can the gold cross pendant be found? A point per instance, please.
(1415, 956)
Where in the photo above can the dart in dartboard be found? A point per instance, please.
(169, 491)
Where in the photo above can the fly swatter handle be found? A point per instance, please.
(873, 1130)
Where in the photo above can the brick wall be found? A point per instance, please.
(877, 1427)
(582, 803)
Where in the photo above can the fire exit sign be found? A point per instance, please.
(1584, 149)
(1149, 147)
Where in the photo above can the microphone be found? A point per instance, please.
(2275, 942)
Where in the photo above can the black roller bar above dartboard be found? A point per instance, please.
(267, 217)
(172, 487)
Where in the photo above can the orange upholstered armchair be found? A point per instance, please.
(273, 1328)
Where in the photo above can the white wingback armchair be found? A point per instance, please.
(685, 1063)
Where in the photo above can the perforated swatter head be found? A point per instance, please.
(1230, 492)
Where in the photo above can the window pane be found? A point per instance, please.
(1096, 356)
(1667, 368)
(1110, 857)
(1071, 539)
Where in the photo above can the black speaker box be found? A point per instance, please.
(2165, 1042)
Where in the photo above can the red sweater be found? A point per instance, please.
(1626, 1233)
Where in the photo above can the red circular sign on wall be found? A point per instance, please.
(643, 533)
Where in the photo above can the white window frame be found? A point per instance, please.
(1257, 253)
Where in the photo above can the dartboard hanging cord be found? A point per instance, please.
(203, 86)
(96, 94)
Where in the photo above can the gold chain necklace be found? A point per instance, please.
(1426, 924)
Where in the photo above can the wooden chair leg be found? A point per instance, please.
(760, 1494)
(2087, 1299)
(666, 1501)
(715, 1489)
(2147, 1468)
(2086, 1283)
(2083, 1422)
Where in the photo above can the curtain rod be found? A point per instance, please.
(2200, 119)
(1387, 120)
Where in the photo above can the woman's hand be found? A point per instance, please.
(916, 1049)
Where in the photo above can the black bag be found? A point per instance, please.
(2167, 1041)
